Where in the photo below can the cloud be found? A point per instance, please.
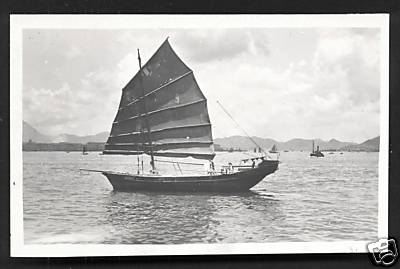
(87, 107)
(47, 107)
(73, 52)
(350, 61)
(205, 46)
(279, 83)
(338, 86)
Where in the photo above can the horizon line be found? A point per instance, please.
(253, 136)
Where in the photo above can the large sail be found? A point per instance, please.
(162, 111)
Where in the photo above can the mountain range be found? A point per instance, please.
(369, 145)
(234, 142)
(30, 133)
(296, 144)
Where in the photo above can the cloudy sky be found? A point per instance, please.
(279, 83)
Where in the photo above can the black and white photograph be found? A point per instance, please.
(198, 134)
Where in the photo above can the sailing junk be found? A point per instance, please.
(274, 149)
(163, 112)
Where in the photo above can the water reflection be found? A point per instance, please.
(155, 218)
(327, 199)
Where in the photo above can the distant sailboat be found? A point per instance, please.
(163, 112)
(274, 149)
(316, 153)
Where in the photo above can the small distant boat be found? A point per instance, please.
(331, 153)
(316, 153)
(84, 152)
(274, 149)
(285, 151)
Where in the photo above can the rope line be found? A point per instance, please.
(238, 125)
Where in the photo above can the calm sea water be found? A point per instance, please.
(307, 199)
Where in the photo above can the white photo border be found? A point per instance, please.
(20, 22)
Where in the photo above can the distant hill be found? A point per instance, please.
(235, 142)
(30, 133)
(100, 137)
(244, 143)
(368, 145)
(335, 144)
(296, 144)
(306, 144)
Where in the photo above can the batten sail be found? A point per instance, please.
(165, 95)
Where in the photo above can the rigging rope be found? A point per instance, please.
(237, 124)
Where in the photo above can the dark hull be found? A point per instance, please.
(317, 154)
(236, 182)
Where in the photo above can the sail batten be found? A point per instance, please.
(196, 155)
(155, 90)
(160, 110)
(163, 106)
(165, 144)
(164, 129)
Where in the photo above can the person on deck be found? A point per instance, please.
(212, 167)
(152, 165)
(230, 167)
(253, 164)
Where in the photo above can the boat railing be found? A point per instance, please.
(237, 166)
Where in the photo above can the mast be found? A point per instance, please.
(164, 98)
(313, 146)
(145, 118)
